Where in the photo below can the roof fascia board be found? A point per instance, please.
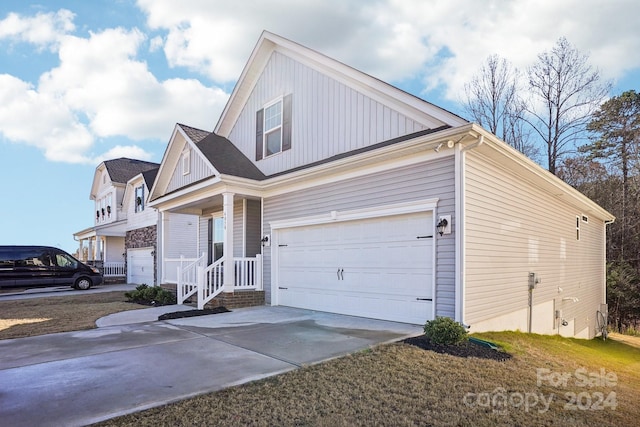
(159, 202)
(244, 85)
(376, 89)
(580, 201)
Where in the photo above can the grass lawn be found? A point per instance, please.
(580, 383)
(549, 381)
(39, 316)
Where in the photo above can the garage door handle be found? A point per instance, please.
(424, 299)
(280, 287)
(424, 237)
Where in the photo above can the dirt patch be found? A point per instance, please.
(465, 349)
(193, 313)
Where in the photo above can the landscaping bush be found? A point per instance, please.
(154, 295)
(446, 331)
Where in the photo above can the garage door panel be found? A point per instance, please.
(374, 267)
(140, 266)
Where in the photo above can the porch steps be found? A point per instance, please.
(237, 299)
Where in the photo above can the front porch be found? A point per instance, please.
(205, 283)
(228, 238)
(104, 248)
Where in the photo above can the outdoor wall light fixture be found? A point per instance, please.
(442, 225)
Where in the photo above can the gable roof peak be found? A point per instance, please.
(414, 107)
(196, 135)
(121, 170)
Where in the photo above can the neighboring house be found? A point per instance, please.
(124, 237)
(324, 188)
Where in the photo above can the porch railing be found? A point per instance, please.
(187, 275)
(208, 282)
(171, 265)
(113, 269)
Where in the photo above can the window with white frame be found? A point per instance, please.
(578, 227)
(186, 162)
(139, 199)
(273, 127)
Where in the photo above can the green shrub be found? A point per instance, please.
(151, 295)
(445, 330)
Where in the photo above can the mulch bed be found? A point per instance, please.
(466, 349)
(193, 313)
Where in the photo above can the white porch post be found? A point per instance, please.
(99, 247)
(229, 265)
(90, 256)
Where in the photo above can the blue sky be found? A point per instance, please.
(85, 81)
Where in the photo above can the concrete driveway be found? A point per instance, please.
(130, 364)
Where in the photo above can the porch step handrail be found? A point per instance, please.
(188, 278)
(211, 282)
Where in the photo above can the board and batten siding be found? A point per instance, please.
(513, 228)
(145, 218)
(253, 232)
(199, 169)
(328, 117)
(181, 235)
(433, 179)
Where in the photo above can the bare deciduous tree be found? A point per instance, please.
(565, 91)
(492, 100)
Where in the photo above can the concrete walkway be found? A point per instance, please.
(131, 363)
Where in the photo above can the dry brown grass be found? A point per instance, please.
(39, 316)
(402, 385)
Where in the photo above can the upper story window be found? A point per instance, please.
(186, 162)
(139, 199)
(273, 128)
(577, 228)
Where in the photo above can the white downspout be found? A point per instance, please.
(460, 189)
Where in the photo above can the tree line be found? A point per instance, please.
(560, 113)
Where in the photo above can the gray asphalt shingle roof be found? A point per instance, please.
(123, 169)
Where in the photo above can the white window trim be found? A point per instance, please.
(264, 126)
(137, 209)
(578, 221)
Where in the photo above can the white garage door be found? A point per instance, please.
(140, 266)
(380, 268)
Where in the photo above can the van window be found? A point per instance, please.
(65, 261)
(31, 257)
(6, 259)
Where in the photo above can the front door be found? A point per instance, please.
(216, 239)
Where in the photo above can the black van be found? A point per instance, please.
(44, 266)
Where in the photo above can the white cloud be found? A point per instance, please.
(101, 77)
(101, 89)
(42, 121)
(43, 29)
(130, 151)
(440, 43)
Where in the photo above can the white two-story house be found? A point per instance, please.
(123, 239)
(324, 188)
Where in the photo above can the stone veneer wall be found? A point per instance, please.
(145, 237)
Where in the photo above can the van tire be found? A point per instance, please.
(83, 283)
